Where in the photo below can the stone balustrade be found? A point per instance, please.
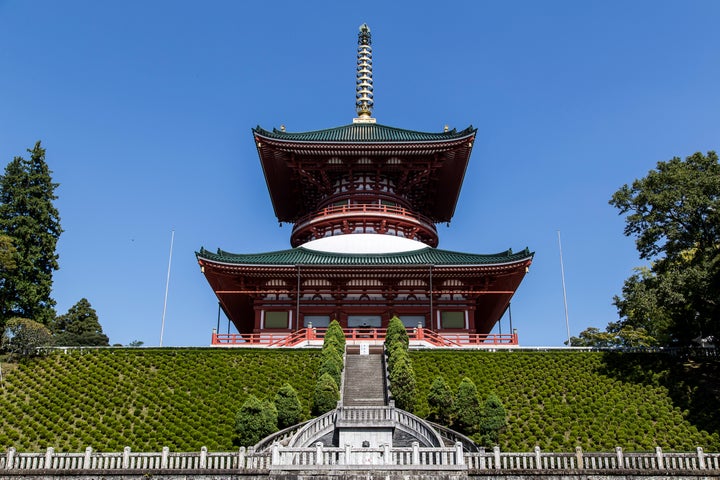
(322, 458)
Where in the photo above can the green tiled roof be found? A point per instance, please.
(365, 133)
(303, 256)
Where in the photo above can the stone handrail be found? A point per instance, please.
(313, 430)
(282, 437)
(417, 426)
(454, 437)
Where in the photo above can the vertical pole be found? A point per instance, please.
(167, 286)
(432, 318)
(562, 274)
(297, 307)
(218, 321)
(510, 316)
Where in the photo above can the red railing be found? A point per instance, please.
(363, 208)
(291, 339)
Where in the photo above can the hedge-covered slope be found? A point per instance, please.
(187, 398)
(558, 400)
(142, 398)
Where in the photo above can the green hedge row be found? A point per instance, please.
(558, 400)
(143, 398)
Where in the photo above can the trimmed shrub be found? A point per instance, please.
(254, 421)
(332, 365)
(326, 395)
(288, 406)
(396, 333)
(335, 331)
(440, 400)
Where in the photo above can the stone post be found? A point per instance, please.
(126, 458)
(319, 460)
(386, 454)
(10, 459)
(459, 454)
(659, 457)
(49, 458)
(348, 453)
(496, 454)
(275, 453)
(86, 458)
(701, 458)
(241, 458)
(203, 457)
(482, 465)
(164, 458)
(538, 458)
(415, 453)
(579, 457)
(619, 455)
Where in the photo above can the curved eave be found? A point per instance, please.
(293, 258)
(281, 155)
(365, 134)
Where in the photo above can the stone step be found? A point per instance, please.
(364, 380)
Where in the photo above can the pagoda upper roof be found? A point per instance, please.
(306, 257)
(370, 133)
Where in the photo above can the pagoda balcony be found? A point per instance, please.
(364, 218)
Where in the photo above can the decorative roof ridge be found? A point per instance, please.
(313, 136)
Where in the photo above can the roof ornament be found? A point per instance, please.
(364, 82)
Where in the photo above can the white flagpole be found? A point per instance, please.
(167, 287)
(562, 273)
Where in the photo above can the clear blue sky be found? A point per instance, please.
(145, 109)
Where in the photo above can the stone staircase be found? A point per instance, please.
(364, 379)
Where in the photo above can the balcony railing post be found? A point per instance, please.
(659, 457)
(579, 457)
(619, 455)
(701, 458)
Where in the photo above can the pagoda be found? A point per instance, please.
(364, 200)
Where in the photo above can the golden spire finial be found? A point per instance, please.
(364, 81)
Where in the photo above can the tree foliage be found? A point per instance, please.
(335, 333)
(23, 336)
(29, 218)
(326, 395)
(288, 407)
(674, 214)
(79, 326)
(467, 407)
(492, 421)
(440, 400)
(396, 333)
(255, 420)
(403, 385)
(615, 336)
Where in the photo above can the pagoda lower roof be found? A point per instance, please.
(365, 133)
(306, 257)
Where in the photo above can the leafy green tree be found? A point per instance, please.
(79, 326)
(326, 395)
(440, 401)
(467, 407)
(674, 214)
(492, 421)
(254, 421)
(615, 336)
(28, 216)
(403, 385)
(23, 336)
(288, 407)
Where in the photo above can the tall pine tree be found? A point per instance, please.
(29, 218)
